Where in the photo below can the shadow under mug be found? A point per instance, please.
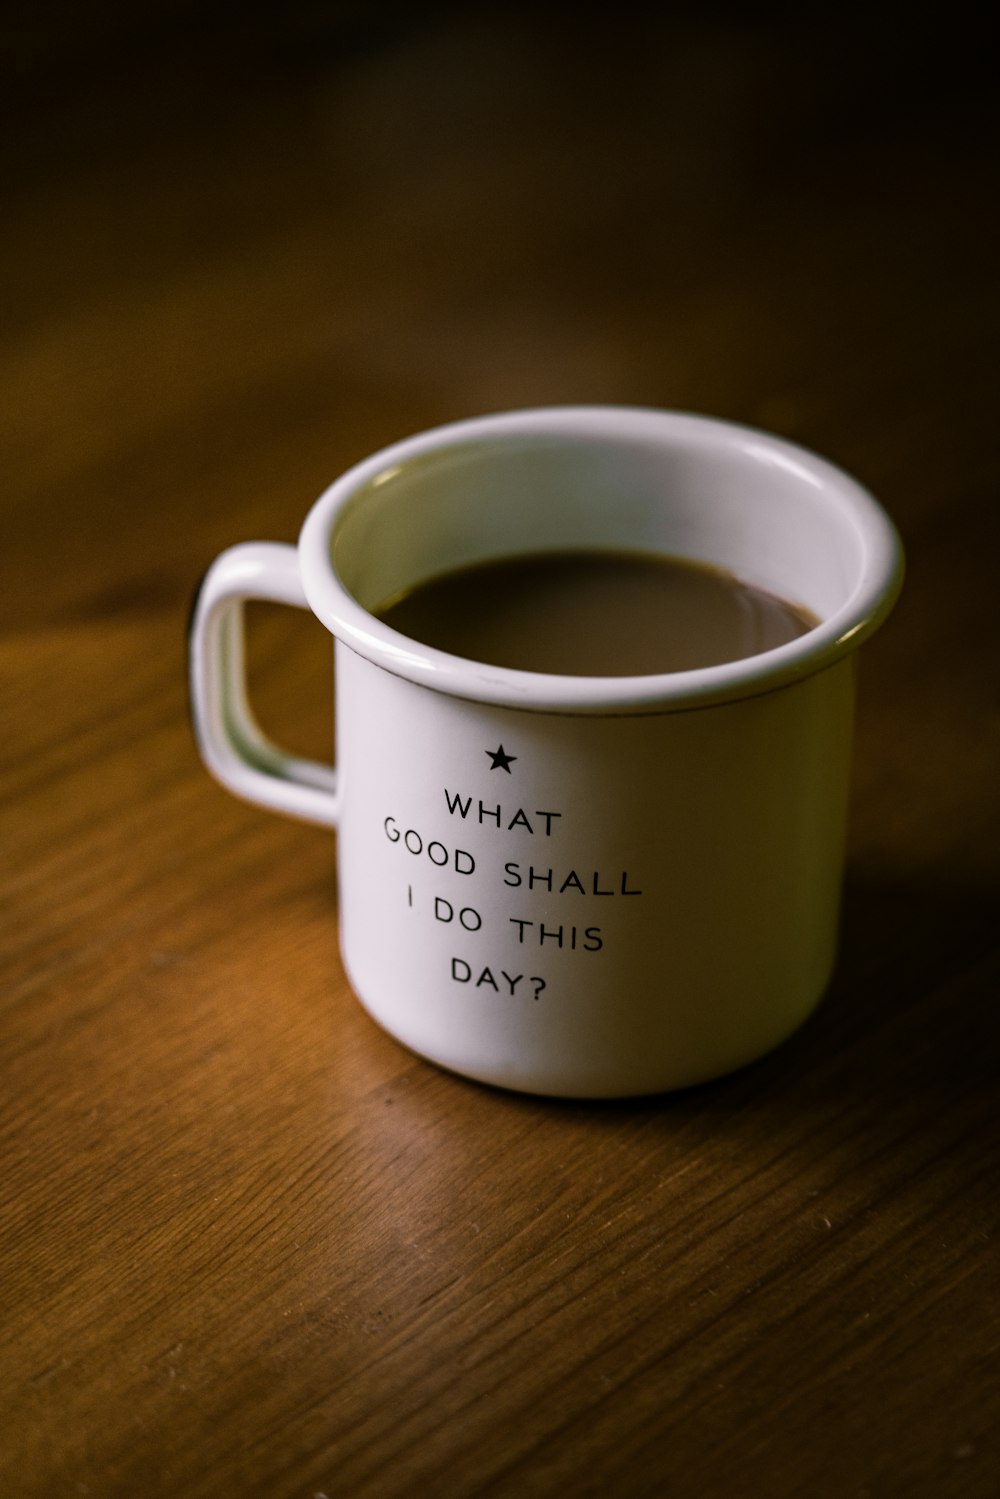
(571, 885)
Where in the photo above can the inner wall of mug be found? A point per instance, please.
(750, 508)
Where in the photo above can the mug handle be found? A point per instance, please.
(231, 742)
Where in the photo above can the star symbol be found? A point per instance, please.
(501, 760)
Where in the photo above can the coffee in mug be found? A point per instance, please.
(596, 614)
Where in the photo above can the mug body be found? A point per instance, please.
(623, 904)
(594, 886)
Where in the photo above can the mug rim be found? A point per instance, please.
(351, 623)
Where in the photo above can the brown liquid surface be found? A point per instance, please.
(591, 613)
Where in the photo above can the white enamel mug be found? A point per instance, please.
(570, 885)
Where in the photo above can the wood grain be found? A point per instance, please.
(248, 1245)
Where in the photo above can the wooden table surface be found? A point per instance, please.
(248, 1244)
